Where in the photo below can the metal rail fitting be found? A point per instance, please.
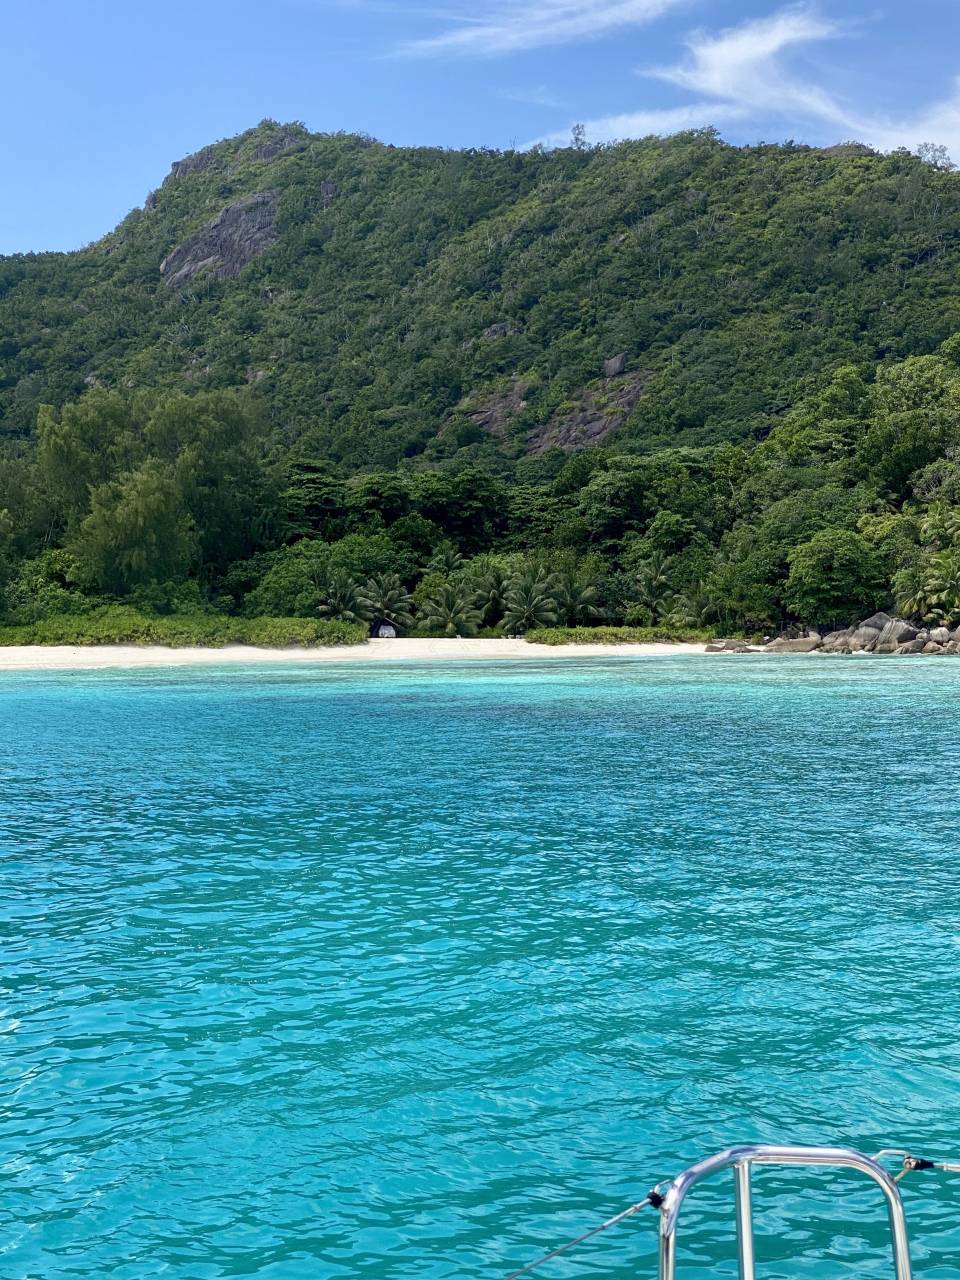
(741, 1159)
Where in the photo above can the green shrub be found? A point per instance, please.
(44, 587)
(617, 635)
(119, 624)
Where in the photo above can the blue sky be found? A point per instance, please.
(99, 96)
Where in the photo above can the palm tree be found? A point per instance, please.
(491, 589)
(691, 607)
(446, 560)
(941, 526)
(910, 590)
(943, 585)
(452, 610)
(341, 599)
(386, 597)
(652, 591)
(530, 601)
(679, 610)
(576, 599)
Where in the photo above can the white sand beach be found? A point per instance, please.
(92, 657)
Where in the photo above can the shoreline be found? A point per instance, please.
(36, 657)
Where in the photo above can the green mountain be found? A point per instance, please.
(577, 347)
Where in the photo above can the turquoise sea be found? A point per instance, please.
(413, 971)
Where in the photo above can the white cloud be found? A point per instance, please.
(939, 123)
(536, 95)
(742, 74)
(742, 65)
(530, 24)
(639, 124)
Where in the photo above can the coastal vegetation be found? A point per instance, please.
(664, 388)
(119, 624)
(618, 635)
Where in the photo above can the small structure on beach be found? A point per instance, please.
(381, 629)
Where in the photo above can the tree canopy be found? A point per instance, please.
(669, 381)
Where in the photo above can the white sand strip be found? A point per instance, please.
(38, 657)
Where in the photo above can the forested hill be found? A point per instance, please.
(396, 302)
(669, 382)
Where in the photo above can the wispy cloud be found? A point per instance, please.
(746, 74)
(640, 124)
(536, 95)
(515, 25)
(939, 122)
(743, 65)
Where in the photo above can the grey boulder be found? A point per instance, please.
(864, 639)
(783, 644)
(877, 621)
(895, 633)
(837, 641)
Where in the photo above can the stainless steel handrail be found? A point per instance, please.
(741, 1159)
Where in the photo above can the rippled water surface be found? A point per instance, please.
(399, 971)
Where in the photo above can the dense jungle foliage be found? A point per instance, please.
(669, 383)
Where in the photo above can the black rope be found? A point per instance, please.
(911, 1164)
(654, 1199)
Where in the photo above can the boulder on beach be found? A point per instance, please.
(837, 641)
(895, 633)
(803, 644)
(877, 621)
(730, 646)
(863, 640)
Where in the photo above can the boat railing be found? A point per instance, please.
(668, 1197)
(741, 1160)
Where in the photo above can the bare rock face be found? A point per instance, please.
(593, 418)
(199, 162)
(494, 331)
(222, 248)
(494, 412)
(616, 365)
(281, 140)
